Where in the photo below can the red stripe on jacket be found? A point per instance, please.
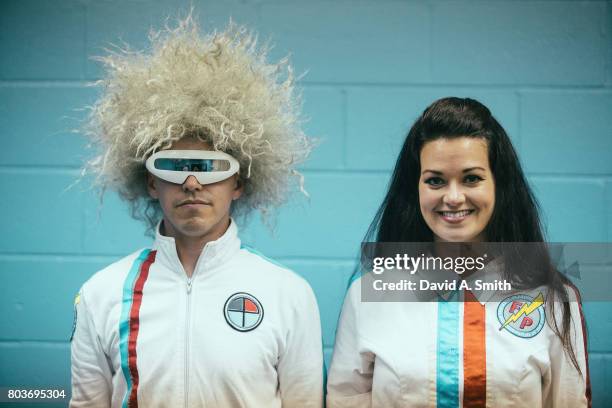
(134, 326)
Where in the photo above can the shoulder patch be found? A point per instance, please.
(77, 299)
(522, 315)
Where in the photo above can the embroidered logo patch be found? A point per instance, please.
(522, 315)
(243, 312)
(77, 299)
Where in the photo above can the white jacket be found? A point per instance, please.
(455, 354)
(241, 332)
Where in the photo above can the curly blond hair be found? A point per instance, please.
(218, 88)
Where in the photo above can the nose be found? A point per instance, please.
(191, 184)
(454, 195)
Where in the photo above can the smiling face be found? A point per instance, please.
(456, 188)
(193, 210)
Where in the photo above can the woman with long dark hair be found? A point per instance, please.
(458, 179)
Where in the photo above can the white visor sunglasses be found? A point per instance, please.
(207, 166)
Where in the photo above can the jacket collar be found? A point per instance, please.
(213, 255)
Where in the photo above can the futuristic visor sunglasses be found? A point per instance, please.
(206, 166)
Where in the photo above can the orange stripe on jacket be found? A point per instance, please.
(474, 353)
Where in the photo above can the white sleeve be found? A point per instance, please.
(300, 367)
(349, 383)
(91, 372)
(567, 386)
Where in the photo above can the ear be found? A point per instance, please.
(151, 187)
(238, 187)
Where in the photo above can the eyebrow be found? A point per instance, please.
(464, 171)
(473, 168)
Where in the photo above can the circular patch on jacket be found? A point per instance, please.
(243, 312)
(522, 315)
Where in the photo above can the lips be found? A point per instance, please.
(455, 216)
(192, 203)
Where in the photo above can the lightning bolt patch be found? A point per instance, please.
(522, 315)
(526, 310)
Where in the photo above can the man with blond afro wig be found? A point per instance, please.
(190, 133)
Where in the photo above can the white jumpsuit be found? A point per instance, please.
(455, 354)
(241, 332)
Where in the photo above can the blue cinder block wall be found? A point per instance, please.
(543, 67)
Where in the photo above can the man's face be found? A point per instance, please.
(194, 210)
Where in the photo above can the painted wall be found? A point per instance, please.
(543, 67)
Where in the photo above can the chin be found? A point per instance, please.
(456, 236)
(195, 228)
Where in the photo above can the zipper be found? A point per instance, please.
(187, 330)
(188, 323)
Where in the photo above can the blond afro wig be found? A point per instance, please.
(218, 88)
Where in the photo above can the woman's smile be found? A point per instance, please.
(455, 217)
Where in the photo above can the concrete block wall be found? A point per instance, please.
(543, 67)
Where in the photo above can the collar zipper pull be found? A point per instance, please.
(189, 286)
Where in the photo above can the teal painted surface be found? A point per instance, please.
(544, 69)
(42, 40)
(382, 116)
(582, 140)
(528, 42)
(45, 118)
(569, 206)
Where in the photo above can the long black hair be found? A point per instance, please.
(515, 217)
